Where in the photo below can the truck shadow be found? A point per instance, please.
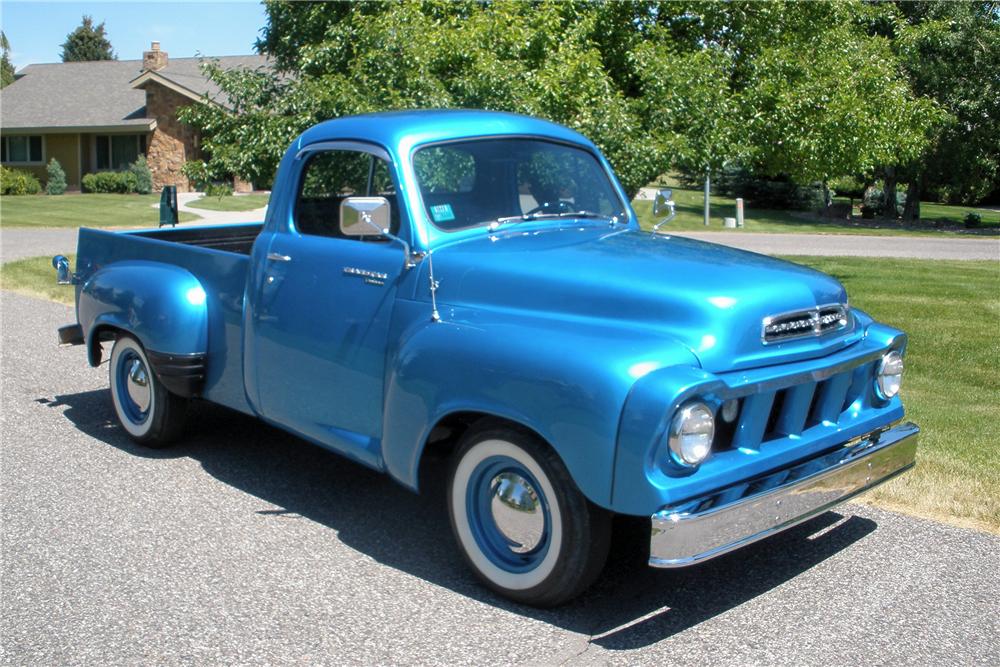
(630, 606)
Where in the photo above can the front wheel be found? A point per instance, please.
(521, 523)
(149, 413)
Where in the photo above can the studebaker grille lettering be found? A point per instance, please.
(813, 322)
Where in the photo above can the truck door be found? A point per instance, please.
(322, 307)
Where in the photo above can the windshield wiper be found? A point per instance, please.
(525, 217)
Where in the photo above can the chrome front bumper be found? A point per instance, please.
(712, 525)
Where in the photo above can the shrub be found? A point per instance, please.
(122, 182)
(18, 182)
(56, 184)
(774, 193)
(848, 186)
(973, 220)
(219, 190)
(143, 176)
(874, 201)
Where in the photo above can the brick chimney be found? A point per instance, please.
(154, 60)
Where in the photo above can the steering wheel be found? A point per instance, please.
(558, 205)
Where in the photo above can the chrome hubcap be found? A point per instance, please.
(517, 512)
(137, 385)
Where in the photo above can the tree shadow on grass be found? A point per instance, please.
(630, 606)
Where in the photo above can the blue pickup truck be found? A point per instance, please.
(477, 285)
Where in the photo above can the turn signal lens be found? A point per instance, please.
(691, 434)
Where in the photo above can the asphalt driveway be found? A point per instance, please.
(245, 545)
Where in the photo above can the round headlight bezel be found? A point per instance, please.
(889, 375)
(691, 434)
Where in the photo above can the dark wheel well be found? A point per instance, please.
(101, 334)
(445, 436)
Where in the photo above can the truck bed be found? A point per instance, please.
(228, 238)
(218, 256)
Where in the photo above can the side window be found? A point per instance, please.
(332, 176)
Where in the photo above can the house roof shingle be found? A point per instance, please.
(100, 94)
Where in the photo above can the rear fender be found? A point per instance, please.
(163, 306)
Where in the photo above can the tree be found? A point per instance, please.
(951, 54)
(87, 42)
(6, 67)
(796, 88)
(56, 183)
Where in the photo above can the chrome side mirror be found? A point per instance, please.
(370, 216)
(61, 265)
(663, 204)
(365, 216)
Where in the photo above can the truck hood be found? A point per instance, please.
(710, 298)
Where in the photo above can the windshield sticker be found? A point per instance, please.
(442, 213)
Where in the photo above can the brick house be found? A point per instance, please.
(100, 116)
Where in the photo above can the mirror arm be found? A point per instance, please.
(412, 258)
(671, 216)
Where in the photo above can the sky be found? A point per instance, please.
(37, 30)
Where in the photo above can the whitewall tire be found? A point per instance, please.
(150, 414)
(519, 520)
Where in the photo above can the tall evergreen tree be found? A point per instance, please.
(87, 42)
(6, 67)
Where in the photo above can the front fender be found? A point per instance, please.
(564, 380)
(163, 306)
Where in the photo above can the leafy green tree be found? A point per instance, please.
(796, 88)
(6, 67)
(951, 54)
(87, 42)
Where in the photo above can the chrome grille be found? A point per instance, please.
(802, 323)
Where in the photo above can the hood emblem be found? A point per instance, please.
(804, 323)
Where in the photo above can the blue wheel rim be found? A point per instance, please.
(129, 407)
(492, 542)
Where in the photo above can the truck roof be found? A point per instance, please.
(399, 131)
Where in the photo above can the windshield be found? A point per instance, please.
(489, 182)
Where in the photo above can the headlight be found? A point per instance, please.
(691, 433)
(890, 375)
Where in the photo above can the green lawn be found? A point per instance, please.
(690, 217)
(951, 387)
(83, 210)
(232, 203)
(951, 311)
(36, 277)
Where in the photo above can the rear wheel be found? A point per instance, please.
(151, 415)
(521, 523)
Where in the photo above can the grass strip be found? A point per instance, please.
(83, 210)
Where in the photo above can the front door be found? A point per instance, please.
(322, 311)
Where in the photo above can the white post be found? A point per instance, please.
(708, 189)
(739, 211)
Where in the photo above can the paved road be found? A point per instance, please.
(915, 247)
(244, 545)
(17, 243)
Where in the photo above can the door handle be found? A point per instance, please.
(278, 257)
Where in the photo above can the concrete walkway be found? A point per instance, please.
(184, 200)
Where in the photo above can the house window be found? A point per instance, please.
(22, 150)
(118, 151)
